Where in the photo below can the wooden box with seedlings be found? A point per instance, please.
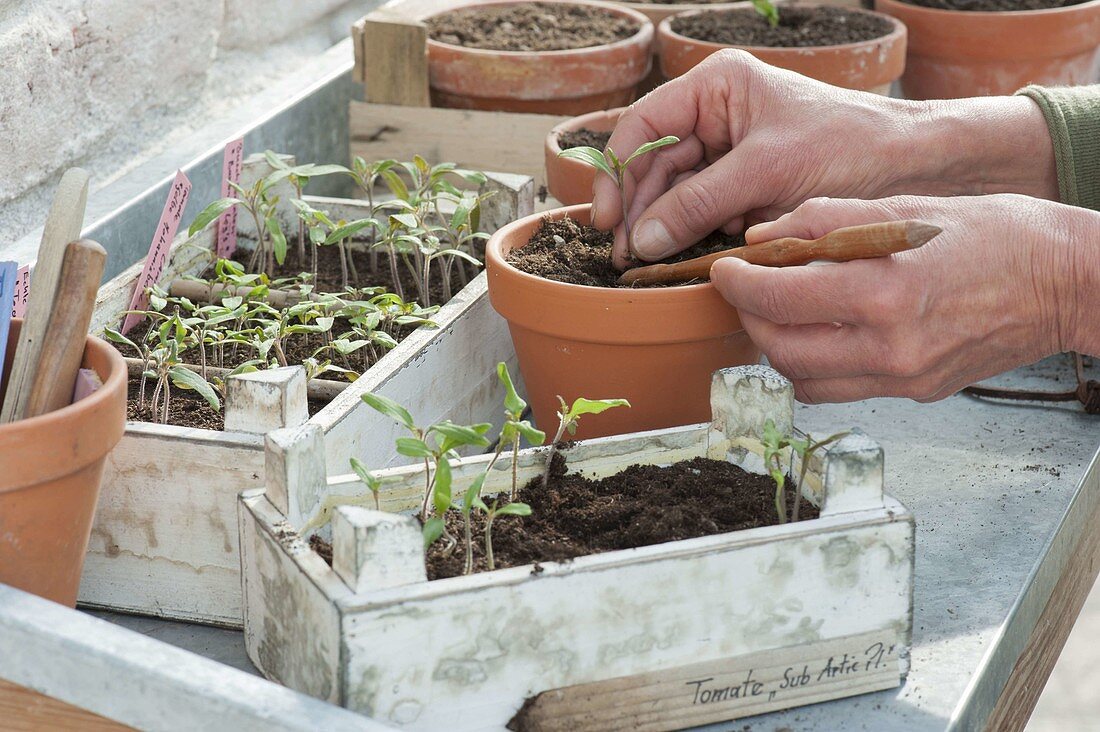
(655, 580)
(381, 293)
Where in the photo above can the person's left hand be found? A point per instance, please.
(994, 291)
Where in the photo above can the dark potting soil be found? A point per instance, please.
(640, 506)
(994, 6)
(798, 27)
(583, 137)
(565, 251)
(677, 2)
(530, 27)
(185, 408)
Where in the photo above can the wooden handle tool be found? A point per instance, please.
(63, 224)
(853, 242)
(63, 344)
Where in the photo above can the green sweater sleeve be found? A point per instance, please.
(1073, 117)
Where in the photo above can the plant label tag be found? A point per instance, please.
(227, 222)
(22, 292)
(9, 273)
(158, 250)
(87, 382)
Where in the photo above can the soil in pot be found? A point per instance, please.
(530, 27)
(994, 6)
(583, 137)
(799, 27)
(565, 251)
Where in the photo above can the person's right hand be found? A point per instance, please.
(757, 141)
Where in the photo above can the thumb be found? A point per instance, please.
(818, 216)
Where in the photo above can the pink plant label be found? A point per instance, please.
(8, 277)
(227, 222)
(158, 250)
(22, 291)
(87, 383)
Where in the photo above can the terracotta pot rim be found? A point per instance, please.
(899, 31)
(91, 402)
(579, 122)
(496, 259)
(910, 7)
(644, 35)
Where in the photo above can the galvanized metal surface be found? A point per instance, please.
(990, 485)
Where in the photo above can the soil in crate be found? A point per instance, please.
(640, 506)
(566, 251)
(530, 27)
(992, 6)
(798, 27)
(583, 137)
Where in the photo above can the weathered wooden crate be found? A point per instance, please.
(657, 638)
(164, 540)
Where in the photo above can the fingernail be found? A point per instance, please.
(652, 241)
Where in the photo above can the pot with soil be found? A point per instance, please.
(53, 464)
(628, 582)
(569, 180)
(847, 47)
(577, 333)
(965, 48)
(553, 58)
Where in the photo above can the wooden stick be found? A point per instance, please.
(63, 344)
(867, 241)
(315, 388)
(63, 225)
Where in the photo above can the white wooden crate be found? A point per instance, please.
(164, 541)
(655, 638)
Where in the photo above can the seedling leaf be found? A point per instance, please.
(390, 408)
(590, 156)
(441, 494)
(651, 146)
(584, 406)
(412, 447)
(210, 213)
(512, 401)
(514, 509)
(185, 379)
(433, 529)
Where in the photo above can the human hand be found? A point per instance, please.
(1005, 284)
(756, 141)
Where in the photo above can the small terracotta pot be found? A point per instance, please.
(548, 82)
(570, 181)
(655, 347)
(956, 53)
(49, 484)
(867, 66)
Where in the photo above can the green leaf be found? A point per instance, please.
(274, 161)
(533, 436)
(460, 435)
(365, 475)
(768, 10)
(115, 337)
(395, 184)
(589, 156)
(441, 492)
(512, 401)
(473, 494)
(433, 529)
(348, 230)
(186, 379)
(390, 408)
(412, 447)
(514, 509)
(584, 406)
(651, 146)
(210, 213)
(278, 239)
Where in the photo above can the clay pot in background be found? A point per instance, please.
(656, 347)
(570, 181)
(49, 482)
(956, 54)
(549, 82)
(867, 66)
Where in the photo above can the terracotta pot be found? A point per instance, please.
(655, 347)
(956, 54)
(49, 484)
(570, 181)
(549, 82)
(868, 65)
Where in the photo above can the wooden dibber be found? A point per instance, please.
(867, 241)
(63, 344)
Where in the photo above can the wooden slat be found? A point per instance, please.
(720, 690)
(1033, 668)
(394, 53)
(469, 138)
(25, 710)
